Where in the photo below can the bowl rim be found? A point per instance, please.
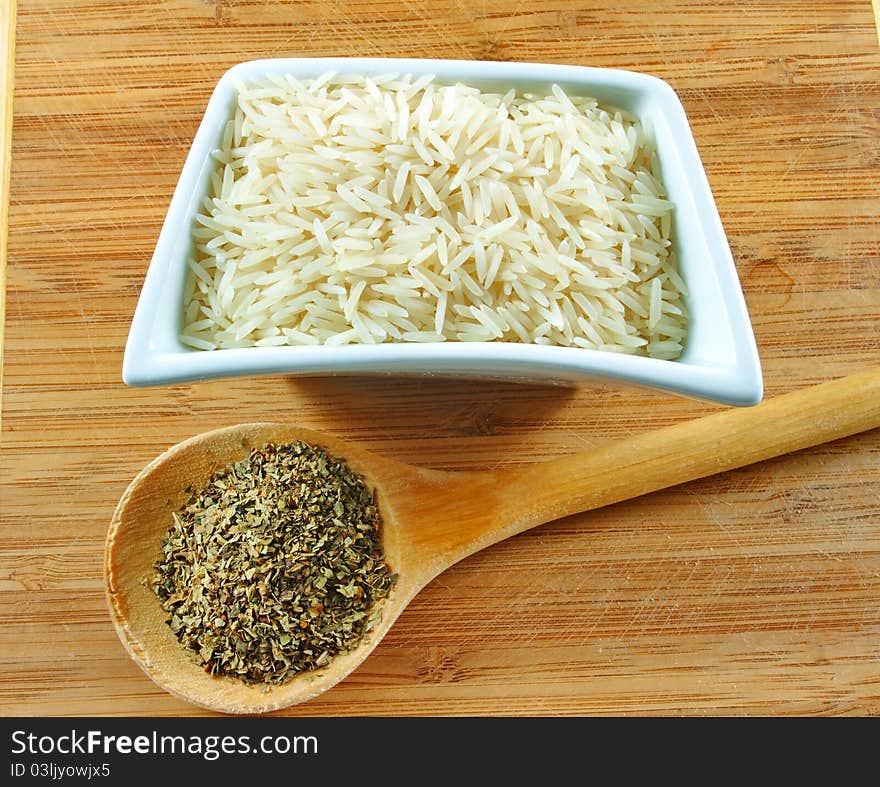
(154, 354)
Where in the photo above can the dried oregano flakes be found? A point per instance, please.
(275, 566)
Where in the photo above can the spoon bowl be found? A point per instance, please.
(432, 519)
(140, 524)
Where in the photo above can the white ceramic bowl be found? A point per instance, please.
(719, 362)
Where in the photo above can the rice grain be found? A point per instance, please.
(346, 210)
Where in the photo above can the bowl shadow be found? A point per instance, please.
(445, 423)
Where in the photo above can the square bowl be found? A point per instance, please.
(719, 361)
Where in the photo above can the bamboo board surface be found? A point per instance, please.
(755, 592)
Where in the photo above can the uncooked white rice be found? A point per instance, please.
(349, 209)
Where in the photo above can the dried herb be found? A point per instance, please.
(275, 566)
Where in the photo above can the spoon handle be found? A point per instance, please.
(693, 449)
(531, 495)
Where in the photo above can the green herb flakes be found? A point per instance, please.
(275, 566)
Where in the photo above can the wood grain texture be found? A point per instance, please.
(749, 593)
(875, 4)
(7, 58)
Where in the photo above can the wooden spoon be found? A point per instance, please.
(432, 519)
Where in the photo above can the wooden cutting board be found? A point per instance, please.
(756, 592)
